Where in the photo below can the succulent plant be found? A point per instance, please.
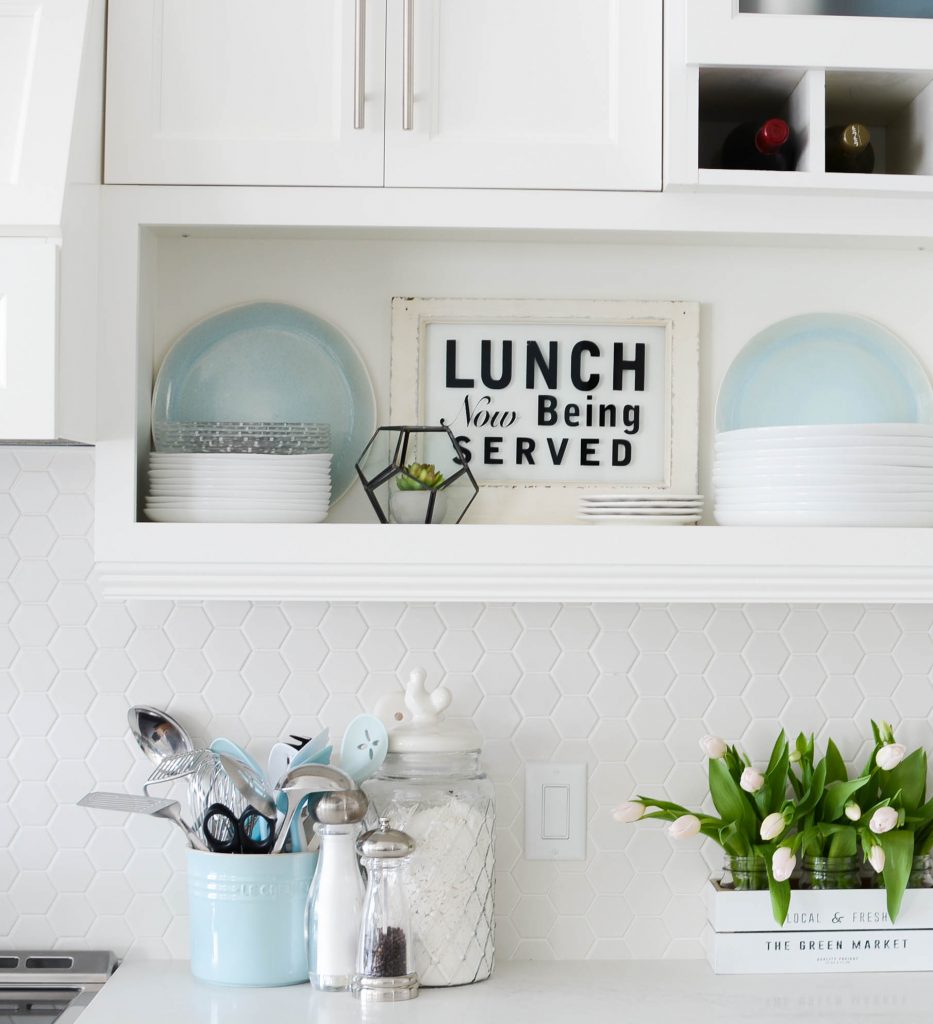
(420, 477)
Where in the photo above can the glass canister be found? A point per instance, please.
(432, 786)
(385, 962)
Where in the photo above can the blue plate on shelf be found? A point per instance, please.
(824, 368)
(270, 363)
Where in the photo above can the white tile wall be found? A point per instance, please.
(628, 689)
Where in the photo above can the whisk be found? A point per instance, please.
(207, 783)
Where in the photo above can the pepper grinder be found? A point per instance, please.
(335, 900)
(384, 968)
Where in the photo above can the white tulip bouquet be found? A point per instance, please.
(799, 805)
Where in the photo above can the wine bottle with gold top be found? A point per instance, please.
(849, 149)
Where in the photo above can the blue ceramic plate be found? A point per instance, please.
(824, 368)
(272, 363)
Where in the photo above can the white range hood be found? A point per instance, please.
(51, 88)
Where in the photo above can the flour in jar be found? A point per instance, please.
(451, 888)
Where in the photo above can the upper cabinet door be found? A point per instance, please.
(243, 93)
(524, 93)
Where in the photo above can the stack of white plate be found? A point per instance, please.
(222, 488)
(641, 509)
(860, 474)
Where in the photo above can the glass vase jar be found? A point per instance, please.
(745, 874)
(920, 877)
(445, 802)
(921, 872)
(830, 873)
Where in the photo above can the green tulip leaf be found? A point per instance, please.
(910, 777)
(837, 795)
(835, 766)
(898, 849)
(780, 891)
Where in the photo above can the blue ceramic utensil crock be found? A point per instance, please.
(247, 917)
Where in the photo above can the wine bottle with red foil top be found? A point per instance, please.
(760, 146)
(849, 149)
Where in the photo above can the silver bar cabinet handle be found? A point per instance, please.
(359, 65)
(408, 65)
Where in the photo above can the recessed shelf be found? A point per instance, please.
(730, 96)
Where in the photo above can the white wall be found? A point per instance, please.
(627, 689)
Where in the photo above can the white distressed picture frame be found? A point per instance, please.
(546, 502)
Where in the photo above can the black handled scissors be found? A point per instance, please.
(252, 832)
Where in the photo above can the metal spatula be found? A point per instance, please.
(128, 803)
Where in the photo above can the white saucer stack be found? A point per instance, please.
(622, 509)
(234, 488)
(860, 474)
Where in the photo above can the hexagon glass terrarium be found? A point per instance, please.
(416, 475)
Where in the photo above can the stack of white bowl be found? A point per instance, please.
(238, 488)
(859, 474)
(622, 509)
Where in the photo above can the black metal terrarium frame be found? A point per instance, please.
(400, 460)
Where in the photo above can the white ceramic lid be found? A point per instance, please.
(416, 722)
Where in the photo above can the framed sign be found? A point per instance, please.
(549, 397)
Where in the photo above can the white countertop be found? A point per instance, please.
(591, 992)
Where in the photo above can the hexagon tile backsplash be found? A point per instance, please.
(629, 689)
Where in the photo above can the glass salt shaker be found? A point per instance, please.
(384, 962)
(335, 900)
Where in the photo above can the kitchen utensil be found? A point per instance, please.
(269, 363)
(222, 745)
(310, 753)
(157, 734)
(129, 803)
(823, 368)
(364, 747)
(178, 766)
(282, 755)
(303, 781)
(250, 832)
(250, 784)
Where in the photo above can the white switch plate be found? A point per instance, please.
(555, 811)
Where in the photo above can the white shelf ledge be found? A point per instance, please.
(525, 563)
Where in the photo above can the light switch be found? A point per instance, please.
(555, 811)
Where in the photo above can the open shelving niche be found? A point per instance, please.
(812, 69)
(484, 245)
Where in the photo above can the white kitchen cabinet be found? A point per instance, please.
(524, 94)
(237, 92)
(454, 93)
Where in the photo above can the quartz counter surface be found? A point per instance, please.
(590, 992)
